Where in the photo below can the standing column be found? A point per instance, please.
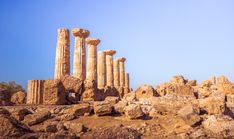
(62, 60)
(79, 61)
(121, 71)
(109, 67)
(127, 80)
(101, 69)
(116, 73)
(92, 58)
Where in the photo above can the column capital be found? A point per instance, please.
(78, 32)
(93, 41)
(122, 59)
(110, 52)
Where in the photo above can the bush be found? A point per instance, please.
(12, 87)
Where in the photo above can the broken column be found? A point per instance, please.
(62, 60)
(35, 92)
(92, 58)
(101, 69)
(79, 61)
(109, 67)
(122, 71)
(116, 73)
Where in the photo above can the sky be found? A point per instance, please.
(159, 38)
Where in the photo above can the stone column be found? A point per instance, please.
(116, 73)
(92, 58)
(121, 71)
(127, 80)
(109, 67)
(101, 69)
(35, 91)
(79, 61)
(62, 60)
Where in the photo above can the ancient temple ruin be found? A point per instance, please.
(94, 78)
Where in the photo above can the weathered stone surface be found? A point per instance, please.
(35, 91)
(11, 128)
(4, 97)
(18, 98)
(37, 117)
(111, 92)
(109, 67)
(102, 108)
(213, 104)
(79, 61)
(192, 83)
(220, 125)
(190, 114)
(90, 91)
(130, 97)
(225, 86)
(74, 127)
(62, 59)
(120, 106)
(115, 132)
(178, 80)
(133, 111)
(78, 109)
(127, 82)
(101, 69)
(20, 113)
(122, 71)
(92, 59)
(112, 100)
(116, 73)
(72, 84)
(51, 127)
(54, 92)
(145, 91)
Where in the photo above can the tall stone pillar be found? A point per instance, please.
(127, 80)
(116, 73)
(79, 61)
(122, 71)
(101, 69)
(92, 59)
(109, 67)
(62, 60)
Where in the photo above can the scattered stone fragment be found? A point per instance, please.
(133, 111)
(18, 98)
(145, 91)
(112, 100)
(102, 108)
(38, 117)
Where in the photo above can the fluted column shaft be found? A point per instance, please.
(101, 69)
(92, 59)
(79, 61)
(116, 73)
(122, 72)
(62, 60)
(127, 80)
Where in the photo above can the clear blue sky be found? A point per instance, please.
(159, 38)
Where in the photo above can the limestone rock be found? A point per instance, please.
(4, 97)
(192, 83)
(178, 80)
(225, 86)
(190, 114)
(51, 127)
(18, 98)
(11, 128)
(20, 113)
(72, 84)
(130, 97)
(90, 92)
(213, 104)
(37, 117)
(102, 108)
(120, 106)
(220, 125)
(145, 91)
(112, 100)
(54, 93)
(133, 111)
(74, 127)
(80, 109)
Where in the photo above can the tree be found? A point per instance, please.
(12, 87)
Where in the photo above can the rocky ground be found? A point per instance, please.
(176, 109)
